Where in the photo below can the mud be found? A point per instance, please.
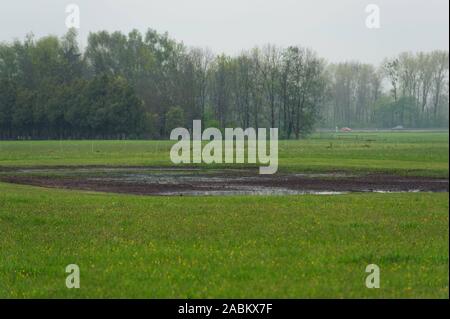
(182, 181)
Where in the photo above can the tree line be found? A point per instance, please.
(144, 85)
(410, 90)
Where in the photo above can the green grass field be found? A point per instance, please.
(228, 246)
(400, 152)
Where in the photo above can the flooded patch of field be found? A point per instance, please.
(212, 182)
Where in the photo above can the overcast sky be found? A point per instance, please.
(336, 29)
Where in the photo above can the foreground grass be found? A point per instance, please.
(406, 153)
(287, 246)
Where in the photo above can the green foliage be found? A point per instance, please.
(44, 95)
(389, 113)
(85, 108)
(132, 82)
(175, 118)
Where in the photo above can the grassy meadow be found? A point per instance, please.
(301, 246)
(411, 153)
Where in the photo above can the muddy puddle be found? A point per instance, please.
(211, 182)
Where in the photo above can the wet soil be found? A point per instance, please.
(182, 181)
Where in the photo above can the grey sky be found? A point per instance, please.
(334, 28)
